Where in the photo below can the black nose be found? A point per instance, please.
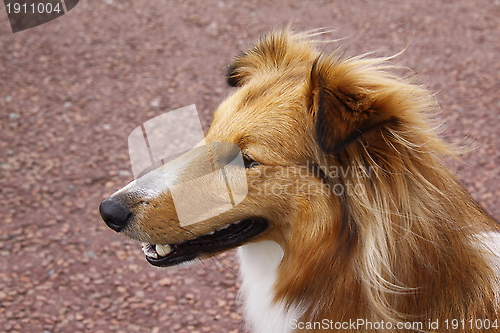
(114, 214)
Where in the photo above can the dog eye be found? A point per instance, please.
(249, 162)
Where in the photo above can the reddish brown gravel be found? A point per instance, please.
(73, 89)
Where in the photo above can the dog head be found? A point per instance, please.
(298, 117)
(342, 168)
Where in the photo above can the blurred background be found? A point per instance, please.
(73, 89)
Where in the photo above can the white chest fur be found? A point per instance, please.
(259, 264)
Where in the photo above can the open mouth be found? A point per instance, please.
(226, 238)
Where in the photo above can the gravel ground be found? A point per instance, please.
(73, 89)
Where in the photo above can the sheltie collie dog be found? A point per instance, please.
(351, 221)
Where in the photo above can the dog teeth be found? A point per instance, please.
(163, 250)
(148, 251)
(224, 227)
(211, 232)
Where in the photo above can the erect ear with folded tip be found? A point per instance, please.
(342, 110)
(232, 76)
(242, 68)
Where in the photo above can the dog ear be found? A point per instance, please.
(343, 110)
(277, 50)
(233, 76)
(267, 53)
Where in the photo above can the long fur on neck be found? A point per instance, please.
(403, 245)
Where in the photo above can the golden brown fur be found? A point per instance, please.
(399, 243)
(404, 248)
